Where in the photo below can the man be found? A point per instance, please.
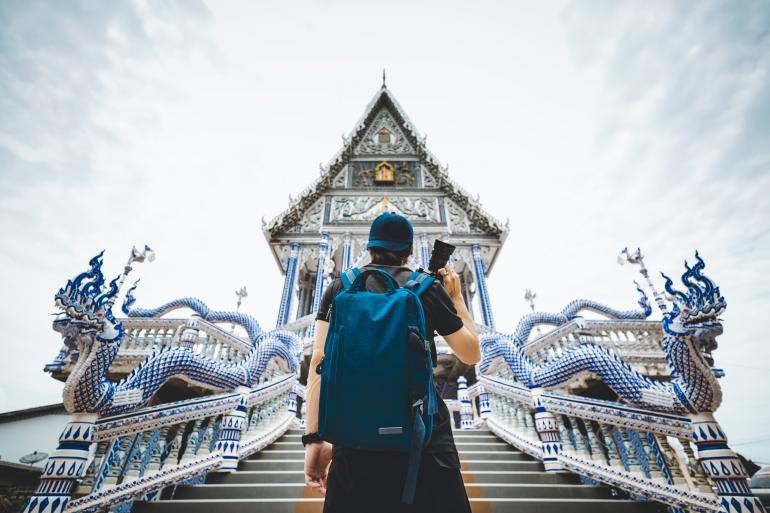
(358, 480)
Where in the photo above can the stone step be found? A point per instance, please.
(512, 455)
(478, 505)
(456, 434)
(498, 477)
(461, 443)
(483, 452)
(487, 465)
(299, 490)
(278, 454)
(513, 476)
(297, 475)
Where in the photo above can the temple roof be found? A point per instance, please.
(290, 217)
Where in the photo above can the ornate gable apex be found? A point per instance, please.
(384, 137)
(382, 111)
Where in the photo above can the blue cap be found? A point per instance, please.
(392, 232)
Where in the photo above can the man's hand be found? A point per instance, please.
(451, 282)
(318, 456)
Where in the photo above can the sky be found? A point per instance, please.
(591, 126)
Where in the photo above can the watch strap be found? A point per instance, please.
(311, 438)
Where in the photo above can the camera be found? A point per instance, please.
(440, 256)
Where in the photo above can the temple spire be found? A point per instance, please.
(383, 78)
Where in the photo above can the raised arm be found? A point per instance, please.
(465, 341)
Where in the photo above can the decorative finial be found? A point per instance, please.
(383, 78)
(241, 293)
(636, 258)
(529, 297)
(136, 256)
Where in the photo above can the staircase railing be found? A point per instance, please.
(139, 454)
(659, 440)
(644, 453)
(637, 342)
(126, 439)
(106, 463)
(302, 328)
(144, 335)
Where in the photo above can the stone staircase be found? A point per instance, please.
(498, 478)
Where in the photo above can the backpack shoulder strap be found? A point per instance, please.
(349, 276)
(419, 282)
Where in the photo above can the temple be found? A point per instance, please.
(187, 407)
(383, 165)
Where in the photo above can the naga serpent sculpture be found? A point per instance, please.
(88, 325)
(690, 329)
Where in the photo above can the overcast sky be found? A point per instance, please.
(590, 125)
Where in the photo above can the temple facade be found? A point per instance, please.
(383, 165)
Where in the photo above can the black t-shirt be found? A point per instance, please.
(440, 316)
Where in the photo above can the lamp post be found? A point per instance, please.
(241, 293)
(136, 256)
(638, 259)
(529, 297)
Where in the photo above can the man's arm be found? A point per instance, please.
(313, 387)
(317, 455)
(465, 341)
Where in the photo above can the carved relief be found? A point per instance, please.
(283, 252)
(405, 177)
(462, 257)
(363, 178)
(427, 179)
(308, 257)
(311, 219)
(354, 209)
(458, 219)
(425, 209)
(384, 137)
(341, 180)
(366, 208)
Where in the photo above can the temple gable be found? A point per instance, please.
(383, 166)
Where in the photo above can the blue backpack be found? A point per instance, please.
(377, 372)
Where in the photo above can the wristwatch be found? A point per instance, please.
(311, 438)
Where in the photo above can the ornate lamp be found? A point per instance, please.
(241, 293)
(638, 259)
(529, 297)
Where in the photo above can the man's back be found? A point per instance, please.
(441, 317)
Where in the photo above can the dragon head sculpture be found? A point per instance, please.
(87, 306)
(695, 313)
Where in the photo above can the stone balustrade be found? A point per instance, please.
(646, 454)
(107, 463)
(637, 342)
(303, 328)
(144, 335)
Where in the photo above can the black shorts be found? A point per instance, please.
(372, 482)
